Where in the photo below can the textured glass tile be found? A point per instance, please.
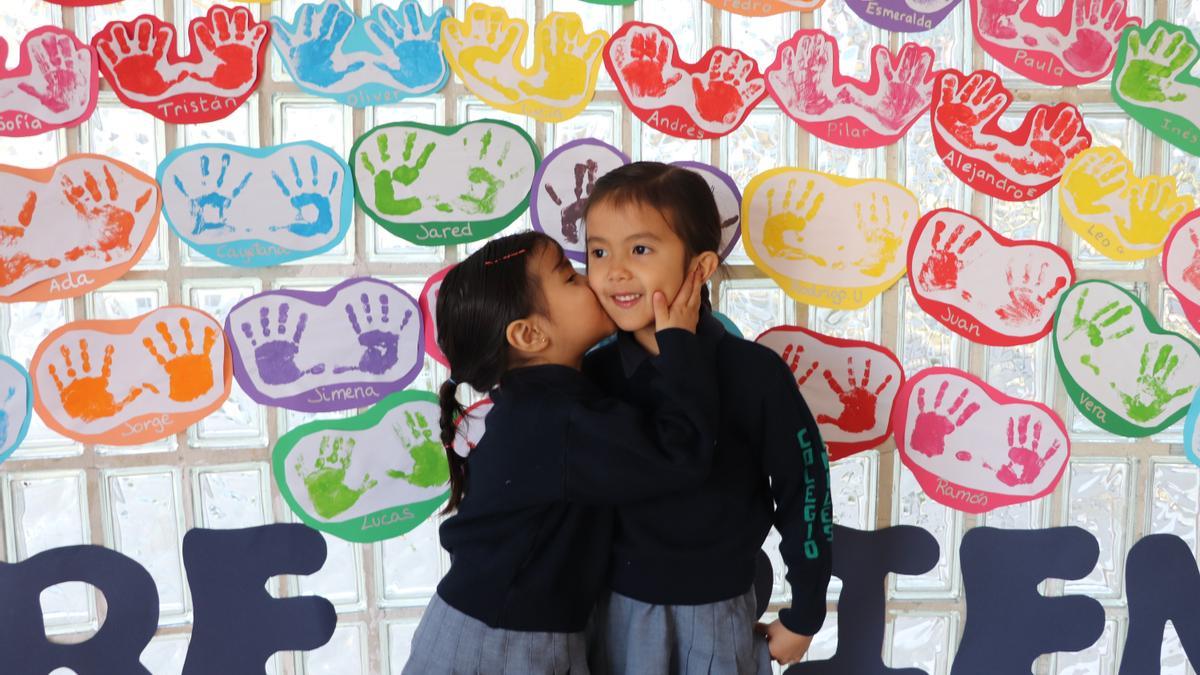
(1173, 659)
(310, 119)
(601, 122)
(855, 38)
(1023, 516)
(654, 146)
(1019, 370)
(761, 143)
(423, 110)
(340, 579)
(42, 150)
(412, 565)
(232, 498)
(1022, 220)
(686, 19)
(165, 655)
(240, 128)
(849, 324)
(399, 643)
(49, 511)
(1174, 500)
(20, 18)
(125, 133)
(914, 507)
(28, 324)
(925, 174)
(1099, 659)
(923, 341)
(759, 37)
(922, 641)
(754, 305)
(950, 41)
(144, 523)
(95, 18)
(1099, 500)
(842, 161)
(344, 654)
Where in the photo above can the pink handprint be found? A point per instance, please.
(804, 77)
(1096, 31)
(905, 84)
(728, 87)
(1024, 463)
(859, 403)
(996, 18)
(791, 356)
(59, 73)
(932, 427)
(1191, 273)
(940, 270)
(1053, 140)
(1025, 304)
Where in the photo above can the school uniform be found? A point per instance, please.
(683, 564)
(529, 544)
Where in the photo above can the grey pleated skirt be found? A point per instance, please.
(448, 642)
(629, 637)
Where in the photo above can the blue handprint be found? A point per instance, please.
(411, 48)
(312, 48)
(380, 346)
(209, 210)
(276, 356)
(12, 391)
(322, 220)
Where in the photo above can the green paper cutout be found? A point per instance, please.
(1152, 82)
(325, 482)
(1143, 399)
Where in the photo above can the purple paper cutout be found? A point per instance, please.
(275, 335)
(731, 218)
(903, 16)
(568, 231)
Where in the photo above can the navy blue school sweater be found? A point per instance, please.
(770, 468)
(530, 542)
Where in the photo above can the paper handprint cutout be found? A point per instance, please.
(82, 3)
(974, 448)
(437, 186)
(808, 85)
(257, 207)
(369, 477)
(1181, 265)
(561, 189)
(1191, 431)
(131, 381)
(728, 198)
(955, 268)
(317, 351)
(827, 240)
(54, 86)
(1017, 165)
(1123, 371)
(1124, 217)
(484, 49)
(1153, 82)
(428, 302)
(73, 227)
(389, 56)
(850, 386)
(16, 405)
(903, 16)
(220, 71)
(765, 7)
(471, 426)
(707, 99)
(1076, 46)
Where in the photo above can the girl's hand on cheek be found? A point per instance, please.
(684, 311)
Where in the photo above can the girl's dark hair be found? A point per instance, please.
(681, 195)
(478, 298)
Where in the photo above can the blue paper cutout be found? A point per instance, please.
(15, 387)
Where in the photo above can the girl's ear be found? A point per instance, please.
(708, 262)
(526, 336)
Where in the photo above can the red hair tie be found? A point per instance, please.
(505, 257)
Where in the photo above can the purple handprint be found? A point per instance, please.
(572, 213)
(276, 355)
(380, 346)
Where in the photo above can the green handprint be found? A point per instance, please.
(1095, 326)
(1152, 395)
(326, 483)
(430, 468)
(482, 177)
(1151, 73)
(404, 175)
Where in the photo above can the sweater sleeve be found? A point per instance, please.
(617, 454)
(798, 466)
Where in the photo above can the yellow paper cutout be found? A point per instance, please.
(484, 49)
(1124, 217)
(828, 240)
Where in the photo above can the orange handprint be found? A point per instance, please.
(17, 264)
(190, 373)
(88, 398)
(100, 208)
(858, 401)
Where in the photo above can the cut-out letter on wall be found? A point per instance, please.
(1162, 583)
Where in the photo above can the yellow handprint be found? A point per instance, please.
(782, 232)
(880, 233)
(1154, 207)
(486, 47)
(1093, 177)
(564, 58)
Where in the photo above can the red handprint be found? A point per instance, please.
(730, 84)
(791, 356)
(136, 55)
(1024, 302)
(940, 270)
(233, 39)
(932, 427)
(1191, 273)
(964, 108)
(99, 208)
(1024, 464)
(1052, 142)
(858, 402)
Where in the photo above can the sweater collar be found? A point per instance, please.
(709, 330)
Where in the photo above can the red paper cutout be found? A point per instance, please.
(1017, 165)
(222, 67)
(428, 303)
(698, 101)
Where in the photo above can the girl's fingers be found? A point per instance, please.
(686, 290)
(662, 312)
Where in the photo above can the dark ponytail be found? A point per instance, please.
(681, 195)
(478, 298)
